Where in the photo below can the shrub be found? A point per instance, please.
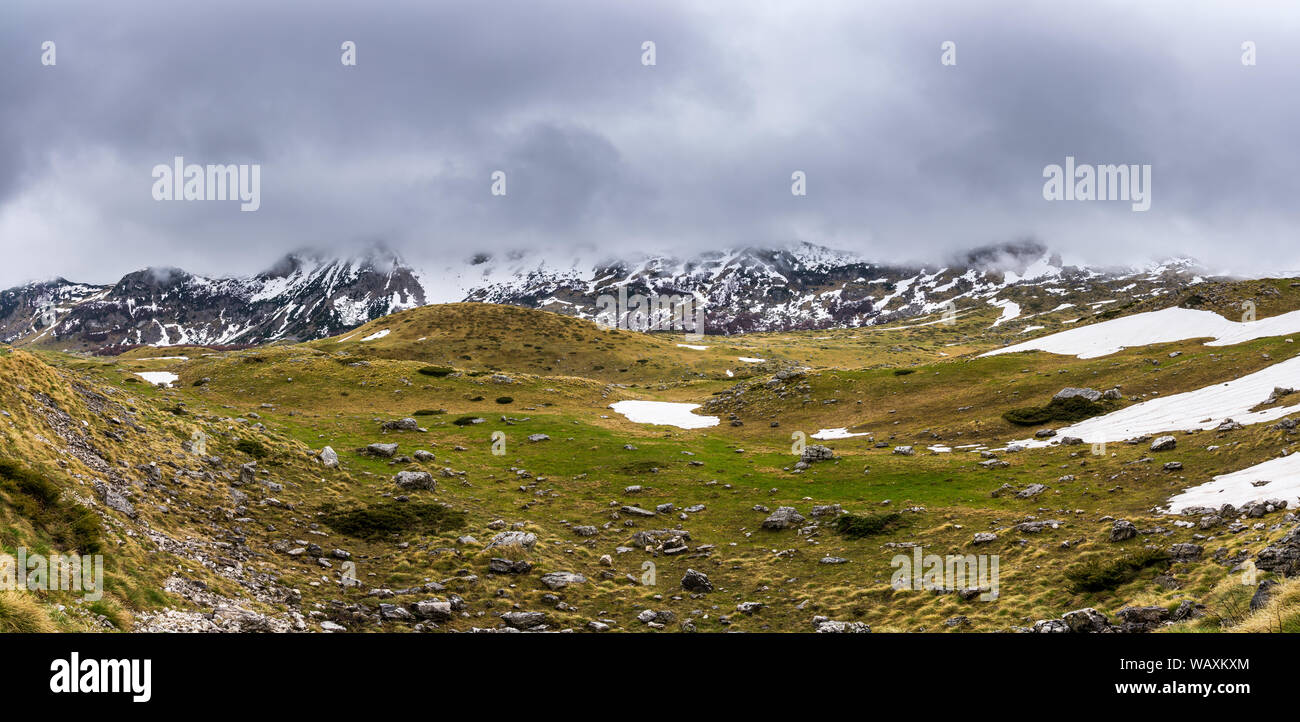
(252, 447)
(903, 372)
(464, 420)
(857, 526)
(1075, 408)
(505, 400)
(437, 371)
(428, 412)
(1028, 416)
(1099, 575)
(381, 520)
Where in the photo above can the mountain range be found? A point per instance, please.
(308, 294)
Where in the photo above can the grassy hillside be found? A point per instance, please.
(240, 526)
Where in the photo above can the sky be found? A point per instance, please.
(906, 158)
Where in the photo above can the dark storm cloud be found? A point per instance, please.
(905, 158)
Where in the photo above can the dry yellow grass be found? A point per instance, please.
(1280, 614)
(20, 613)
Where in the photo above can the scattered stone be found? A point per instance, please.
(415, 480)
(783, 518)
(385, 450)
(497, 565)
(816, 452)
(521, 539)
(636, 511)
(1164, 443)
(524, 620)
(560, 580)
(694, 581)
(1122, 530)
(1033, 527)
(823, 625)
(432, 610)
(1031, 491)
(1282, 557)
(1263, 593)
(1070, 392)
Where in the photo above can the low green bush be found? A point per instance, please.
(252, 447)
(1100, 575)
(1075, 408)
(408, 518)
(429, 412)
(857, 526)
(436, 371)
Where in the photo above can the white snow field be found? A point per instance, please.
(160, 378)
(1204, 408)
(692, 346)
(1010, 312)
(376, 335)
(665, 413)
(1164, 326)
(840, 433)
(1238, 487)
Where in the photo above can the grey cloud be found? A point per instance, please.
(906, 159)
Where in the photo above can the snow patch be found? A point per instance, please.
(664, 413)
(1238, 487)
(840, 433)
(1205, 408)
(159, 378)
(1010, 312)
(1165, 326)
